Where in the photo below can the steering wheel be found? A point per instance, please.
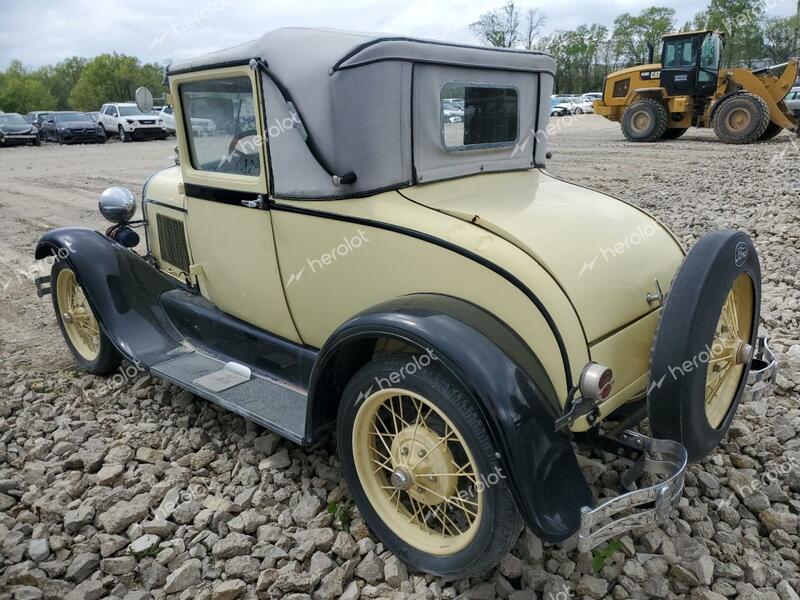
(238, 138)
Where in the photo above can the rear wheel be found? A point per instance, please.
(89, 345)
(741, 119)
(705, 342)
(644, 121)
(673, 133)
(422, 469)
(772, 130)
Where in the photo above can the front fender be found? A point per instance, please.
(122, 289)
(504, 377)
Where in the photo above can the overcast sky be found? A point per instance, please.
(39, 32)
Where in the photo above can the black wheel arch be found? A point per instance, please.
(498, 370)
(122, 289)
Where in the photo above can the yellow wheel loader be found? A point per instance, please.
(689, 89)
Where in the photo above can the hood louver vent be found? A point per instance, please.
(172, 242)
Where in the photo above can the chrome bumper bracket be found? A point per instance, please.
(643, 506)
(763, 370)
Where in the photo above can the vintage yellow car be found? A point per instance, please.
(367, 243)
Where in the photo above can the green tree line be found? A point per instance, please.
(586, 54)
(77, 83)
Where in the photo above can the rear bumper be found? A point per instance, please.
(763, 371)
(666, 459)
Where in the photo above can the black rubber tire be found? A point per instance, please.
(673, 133)
(676, 395)
(772, 130)
(60, 139)
(124, 136)
(758, 124)
(37, 141)
(500, 524)
(108, 359)
(659, 119)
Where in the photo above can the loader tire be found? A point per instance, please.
(771, 132)
(644, 121)
(741, 119)
(673, 133)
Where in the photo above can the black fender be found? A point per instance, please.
(122, 288)
(505, 378)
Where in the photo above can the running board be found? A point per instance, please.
(273, 404)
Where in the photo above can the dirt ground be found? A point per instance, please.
(73, 466)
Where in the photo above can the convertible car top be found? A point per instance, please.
(364, 103)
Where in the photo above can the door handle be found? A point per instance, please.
(257, 203)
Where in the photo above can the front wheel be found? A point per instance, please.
(91, 348)
(741, 119)
(422, 469)
(705, 342)
(124, 136)
(645, 120)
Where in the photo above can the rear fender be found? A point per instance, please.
(498, 370)
(122, 288)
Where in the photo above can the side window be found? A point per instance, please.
(114, 111)
(220, 122)
(478, 115)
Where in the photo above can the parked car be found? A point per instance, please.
(71, 127)
(129, 123)
(200, 126)
(452, 112)
(557, 109)
(14, 129)
(586, 103)
(462, 320)
(792, 101)
(37, 118)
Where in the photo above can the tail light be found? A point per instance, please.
(596, 382)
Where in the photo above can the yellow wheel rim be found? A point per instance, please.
(417, 472)
(738, 119)
(77, 317)
(641, 120)
(730, 350)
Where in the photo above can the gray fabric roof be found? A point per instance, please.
(318, 52)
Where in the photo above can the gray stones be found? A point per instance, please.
(38, 549)
(234, 544)
(184, 577)
(118, 517)
(82, 565)
(228, 590)
(75, 519)
(145, 544)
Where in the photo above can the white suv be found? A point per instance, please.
(125, 120)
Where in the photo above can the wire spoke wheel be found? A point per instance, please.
(417, 471)
(730, 350)
(77, 317)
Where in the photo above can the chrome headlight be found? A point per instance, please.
(117, 204)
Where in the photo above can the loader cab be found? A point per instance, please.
(690, 63)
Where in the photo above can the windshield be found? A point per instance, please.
(12, 120)
(131, 111)
(72, 116)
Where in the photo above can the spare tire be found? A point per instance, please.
(705, 342)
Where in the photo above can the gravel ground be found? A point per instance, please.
(129, 488)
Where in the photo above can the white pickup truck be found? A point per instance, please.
(125, 120)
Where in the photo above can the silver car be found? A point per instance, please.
(793, 101)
